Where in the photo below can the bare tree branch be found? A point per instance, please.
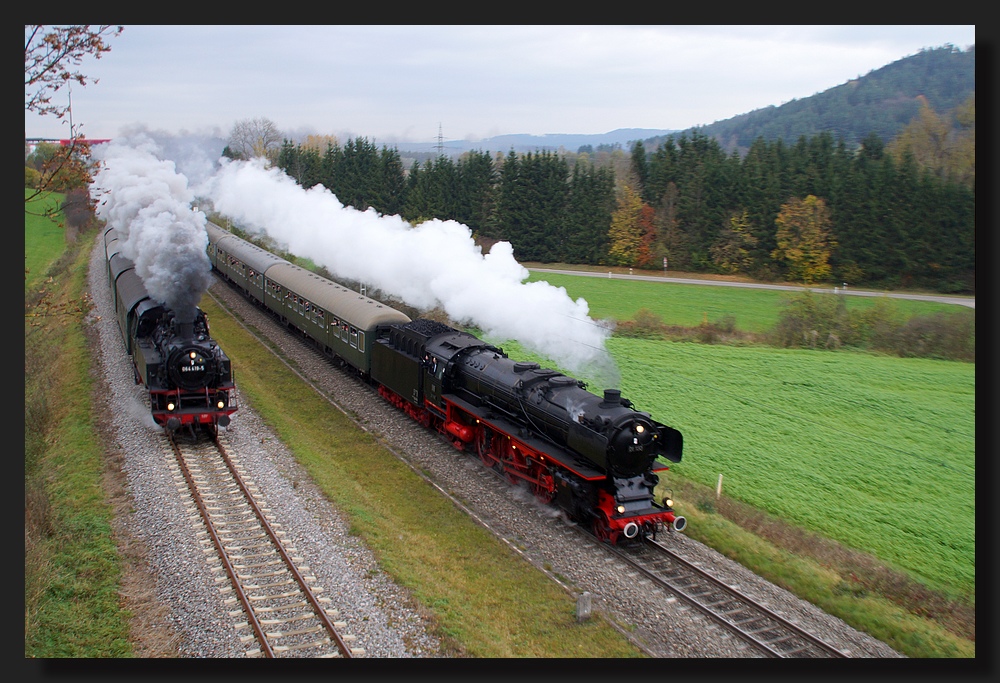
(50, 53)
(258, 137)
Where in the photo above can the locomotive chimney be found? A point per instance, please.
(612, 397)
(185, 330)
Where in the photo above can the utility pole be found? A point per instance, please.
(440, 142)
(69, 88)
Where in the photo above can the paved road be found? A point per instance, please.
(957, 300)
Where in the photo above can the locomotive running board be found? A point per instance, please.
(565, 458)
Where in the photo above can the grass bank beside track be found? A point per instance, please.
(72, 568)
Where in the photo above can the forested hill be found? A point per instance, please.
(882, 102)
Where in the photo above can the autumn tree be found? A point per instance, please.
(803, 239)
(732, 251)
(51, 55)
(625, 233)
(943, 145)
(648, 254)
(58, 168)
(253, 138)
(319, 143)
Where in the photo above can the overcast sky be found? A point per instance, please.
(401, 83)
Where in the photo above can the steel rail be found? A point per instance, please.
(733, 595)
(299, 579)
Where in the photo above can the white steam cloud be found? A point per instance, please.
(148, 199)
(149, 204)
(434, 264)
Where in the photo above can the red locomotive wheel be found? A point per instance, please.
(542, 488)
(484, 447)
(603, 530)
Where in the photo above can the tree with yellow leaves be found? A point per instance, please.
(804, 240)
(625, 233)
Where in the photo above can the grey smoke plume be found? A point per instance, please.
(433, 264)
(149, 204)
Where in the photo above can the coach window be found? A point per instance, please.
(361, 341)
(354, 337)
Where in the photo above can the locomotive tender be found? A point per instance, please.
(187, 374)
(594, 457)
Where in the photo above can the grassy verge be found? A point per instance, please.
(71, 565)
(853, 586)
(486, 600)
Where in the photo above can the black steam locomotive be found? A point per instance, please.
(188, 376)
(596, 458)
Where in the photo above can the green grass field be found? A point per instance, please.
(754, 310)
(47, 238)
(873, 451)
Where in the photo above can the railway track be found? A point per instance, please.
(275, 606)
(751, 621)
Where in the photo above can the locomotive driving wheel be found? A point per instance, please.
(602, 528)
(542, 485)
(485, 447)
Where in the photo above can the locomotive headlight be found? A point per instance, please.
(170, 405)
(193, 355)
(620, 509)
(668, 502)
(221, 404)
(639, 429)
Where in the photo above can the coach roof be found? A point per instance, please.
(248, 253)
(356, 309)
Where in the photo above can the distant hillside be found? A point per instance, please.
(622, 137)
(881, 102)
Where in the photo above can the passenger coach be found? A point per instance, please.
(303, 300)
